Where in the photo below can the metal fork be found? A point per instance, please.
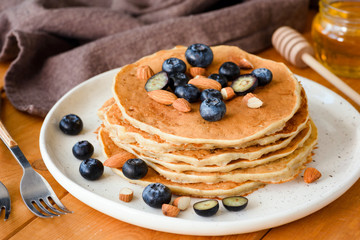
(34, 189)
(5, 200)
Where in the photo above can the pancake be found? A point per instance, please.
(240, 124)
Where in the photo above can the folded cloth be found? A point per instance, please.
(56, 44)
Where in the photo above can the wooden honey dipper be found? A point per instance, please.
(294, 48)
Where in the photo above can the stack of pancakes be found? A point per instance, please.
(242, 152)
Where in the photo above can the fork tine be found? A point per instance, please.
(7, 213)
(59, 204)
(48, 203)
(39, 204)
(35, 211)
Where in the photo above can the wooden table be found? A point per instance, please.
(339, 220)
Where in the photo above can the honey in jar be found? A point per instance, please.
(336, 36)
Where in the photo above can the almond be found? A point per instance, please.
(182, 202)
(227, 93)
(195, 71)
(311, 175)
(242, 62)
(118, 160)
(162, 96)
(203, 83)
(170, 210)
(126, 194)
(182, 105)
(252, 101)
(144, 72)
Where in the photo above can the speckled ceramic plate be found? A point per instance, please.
(337, 157)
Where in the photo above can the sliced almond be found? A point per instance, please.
(170, 210)
(197, 71)
(118, 160)
(126, 194)
(182, 105)
(162, 96)
(182, 202)
(203, 83)
(144, 72)
(311, 175)
(252, 101)
(241, 62)
(227, 93)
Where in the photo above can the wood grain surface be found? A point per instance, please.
(338, 220)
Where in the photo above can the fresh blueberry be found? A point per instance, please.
(212, 109)
(263, 75)
(156, 194)
(83, 150)
(199, 55)
(206, 208)
(235, 203)
(174, 65)
(71, 124)
(230, 70)
(158, 81)
(244, 84)
(208, 93)
(135, 168)
(219, 78)
(188, 91)
(177, 79)
(91, 169)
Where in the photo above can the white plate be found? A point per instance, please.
(336, 157)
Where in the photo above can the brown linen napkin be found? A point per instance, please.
(56, 44)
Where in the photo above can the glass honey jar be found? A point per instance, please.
(336, 36)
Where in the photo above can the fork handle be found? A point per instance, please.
(5, 137)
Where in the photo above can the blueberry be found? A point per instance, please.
(244, 84)
(91, 169)
(71, 124)
(135, 168)
(230, 70)
(187, 91)
(83, 150)
(206, 208)
(156, 194)
(219, 78)
(235, 203)
(263, 75)
(212, 109)
(208, 93)
(159, 81)
(174, 65)
(199, 55)
(177, 79)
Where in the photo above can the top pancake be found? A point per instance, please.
(241, 124)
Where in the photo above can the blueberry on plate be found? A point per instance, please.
(206, 208)
(212, 109)
(71, 124)
(230, 70)
(244, 84)
(177, 79)
(235, 203)
(135, 168)
(199, 55)
(208, 93)
(187, 91)
(83, 150)
(156, 194)
(263, 75)
(159, 81)
(174, 65)
(219, 78)
(91, 169)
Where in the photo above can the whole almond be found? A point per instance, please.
(197, 71)
(118, 160)
(182, 105)
(162, 96)
(182, 202)
(203, 83)
(170, 210)
(144, 72)
(241, 62)
(227, 93)
(311, 175)
(126, 194)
